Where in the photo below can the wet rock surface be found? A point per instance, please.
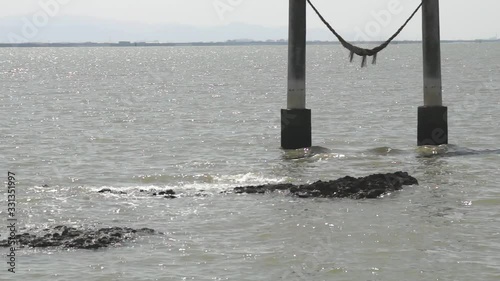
(169, 193)
(109, 190)
(70, 237)
(371, 186)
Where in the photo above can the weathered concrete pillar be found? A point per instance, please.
(433, 116)
(296, 129)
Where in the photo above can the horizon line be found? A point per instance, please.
(233, 42)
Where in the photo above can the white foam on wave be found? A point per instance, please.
(220, 183)
(248, 179)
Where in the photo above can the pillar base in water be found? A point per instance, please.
(432, 125)
(296, 131)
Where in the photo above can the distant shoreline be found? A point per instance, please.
(227, 43)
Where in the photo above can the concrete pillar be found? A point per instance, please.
(432, 117)
(296, 119)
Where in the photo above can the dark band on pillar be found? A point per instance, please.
(296, 129)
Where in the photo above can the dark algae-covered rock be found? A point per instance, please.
(371, 186)
(70, 237)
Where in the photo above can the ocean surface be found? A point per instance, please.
(202, 120)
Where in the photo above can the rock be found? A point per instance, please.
(169, 193)
(372, 186)
(108, 190)
(70, 237)
(162, 193)
(260, 189)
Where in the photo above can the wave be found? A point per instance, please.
(451, 151)
(313, 153)
(385, 150)
(183, 184)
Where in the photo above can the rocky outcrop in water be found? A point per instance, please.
(70, 237)
(169, 193)
(371, 186)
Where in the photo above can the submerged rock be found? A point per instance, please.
(70, 237)
(169, 193)
(109, 190)
(371, 186)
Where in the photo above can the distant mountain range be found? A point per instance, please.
(67, 29)
(84, 29)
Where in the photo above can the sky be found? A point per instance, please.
(460, 19)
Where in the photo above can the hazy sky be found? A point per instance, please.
(460, 18)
